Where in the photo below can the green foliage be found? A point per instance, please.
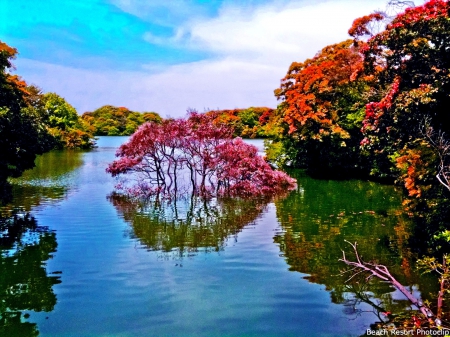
(275, 152)
(22, 132)
(117, 121)
(64, 124)
(61, 115)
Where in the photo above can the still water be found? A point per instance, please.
(88, 263)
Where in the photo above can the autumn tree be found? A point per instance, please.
(322, 105)
(246, 123)
(198, 155)
(410, 61)
(23, 134)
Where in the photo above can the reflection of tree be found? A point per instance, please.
(322, 214)
(189, 225)
(48, 181)
(52, 166)
(25, 246)
(24, 283)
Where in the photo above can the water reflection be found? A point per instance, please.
(318, 218)
(54, 166)
(187, 226)
(49, 181)
(25, 285)
(24, 282)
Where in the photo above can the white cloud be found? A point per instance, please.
(252, 53)
(272, 33)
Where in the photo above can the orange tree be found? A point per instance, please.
(322, 106)
(411, 62)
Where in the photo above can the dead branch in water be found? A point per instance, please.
(380, 271)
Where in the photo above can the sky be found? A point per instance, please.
(168, 56)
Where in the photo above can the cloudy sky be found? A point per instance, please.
(170, 55)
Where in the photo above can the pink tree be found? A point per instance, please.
(198, 152)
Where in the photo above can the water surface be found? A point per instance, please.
(108, 266)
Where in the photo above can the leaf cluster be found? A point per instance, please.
(322, 106)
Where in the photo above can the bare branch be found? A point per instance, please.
(442, 146)
(382, 272)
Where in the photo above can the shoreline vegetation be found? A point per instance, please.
(374, 106)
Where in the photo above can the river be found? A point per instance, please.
(87, 263)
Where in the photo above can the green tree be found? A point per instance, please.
(109, 120)
(22, 133)
(64, 124)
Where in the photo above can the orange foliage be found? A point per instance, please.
(310, 89)
(362, 26)
(414, 168)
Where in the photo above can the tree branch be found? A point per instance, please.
(382, 272)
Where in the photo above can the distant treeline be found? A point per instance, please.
(247, 123)
(120, 121)
(117, 121)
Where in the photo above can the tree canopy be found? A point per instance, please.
(246, 123)
(410, 60)
(22, 133)
(198, 155)
(322, 105)
(376, 106)
(32, 123)
(117, 121)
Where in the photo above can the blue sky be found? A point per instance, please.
(170, 55)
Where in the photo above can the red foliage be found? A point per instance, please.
(428, 11)
(374, 111)
(410, 61)
(264, 118)
(199, 152)
(243, 172)
(361, 26)
(309, 90)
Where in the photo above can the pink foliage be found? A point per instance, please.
(242, 171)
(196, 149)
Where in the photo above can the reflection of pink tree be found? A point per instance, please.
(200, 150)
